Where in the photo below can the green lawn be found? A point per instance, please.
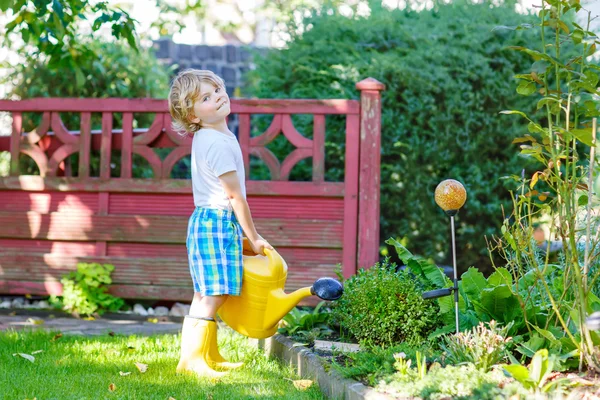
(76, 367)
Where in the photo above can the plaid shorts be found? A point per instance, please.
(214, 245)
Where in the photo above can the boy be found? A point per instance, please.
(199, 105)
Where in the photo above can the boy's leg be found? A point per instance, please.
(206, 306)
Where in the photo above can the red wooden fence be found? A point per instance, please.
(50, 222)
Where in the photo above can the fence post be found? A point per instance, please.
(370, 174)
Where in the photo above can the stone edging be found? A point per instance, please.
(310, 366)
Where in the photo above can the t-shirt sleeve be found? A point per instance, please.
(220, 158)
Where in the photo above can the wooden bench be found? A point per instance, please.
(51, 221)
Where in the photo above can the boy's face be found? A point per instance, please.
(212, 106)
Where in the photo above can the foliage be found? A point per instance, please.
(379, 362)
(535, 377)
(482, 346)
(52, 30)
(564, 81)
(85, 290)
(382, 306)
(439, 383)
(115, 71)
(520, 303)
(118, 71)
(445, 86)
(306, 325)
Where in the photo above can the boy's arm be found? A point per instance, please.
(231, 185)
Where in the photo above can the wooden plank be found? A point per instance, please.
(48, 246)
(318, 150)
(125, 291)
(292, 106)
(157, 229)
(105, 151)
(85, 105)
(85, 141)
(325, 208)
(127, 141)
(370, 174)
(119, 185)
(351, 196)
(29, 287)
(241, 106)
(15, 140)
(74, 202)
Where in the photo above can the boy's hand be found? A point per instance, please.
(259, 245)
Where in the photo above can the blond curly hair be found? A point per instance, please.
(185, 90)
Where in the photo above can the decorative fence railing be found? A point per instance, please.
(51, 221)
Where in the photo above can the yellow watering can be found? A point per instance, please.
(263, 303)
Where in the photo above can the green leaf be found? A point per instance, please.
(58, 9)
(539, 367)
(550, 101)
(545, 333)
(583, 135)
(520, 373)
(402, 251)
(499, 277)
(526, 88)
(539, 67)
(537, 55)
(473, 282)
(577, 36)
(496, 300)
(509, 112)
(591, 78)
(5, 4)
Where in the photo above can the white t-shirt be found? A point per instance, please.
(213, 154)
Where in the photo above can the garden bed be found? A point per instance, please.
(309, 365)
(316, 364)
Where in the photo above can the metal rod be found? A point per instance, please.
(455, 275)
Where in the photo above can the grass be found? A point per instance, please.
(77, 367)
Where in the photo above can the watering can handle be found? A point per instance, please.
(275, 262)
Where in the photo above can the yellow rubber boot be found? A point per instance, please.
(214, 357)
(195, 344)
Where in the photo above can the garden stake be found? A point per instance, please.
(450, 195)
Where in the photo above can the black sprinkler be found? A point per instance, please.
(327, 289)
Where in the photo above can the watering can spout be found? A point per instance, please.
(281, 303)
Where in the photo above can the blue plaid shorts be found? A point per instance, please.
(214, 245)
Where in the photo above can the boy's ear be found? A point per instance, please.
(195, 120)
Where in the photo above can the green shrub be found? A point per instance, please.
(448, 73)
(84, 290)
(382, 306)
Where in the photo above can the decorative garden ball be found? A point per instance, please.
(450, 195)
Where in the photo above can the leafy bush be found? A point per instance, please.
(382, 306)
(447, 75)
(482, 346)
(84, 290)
